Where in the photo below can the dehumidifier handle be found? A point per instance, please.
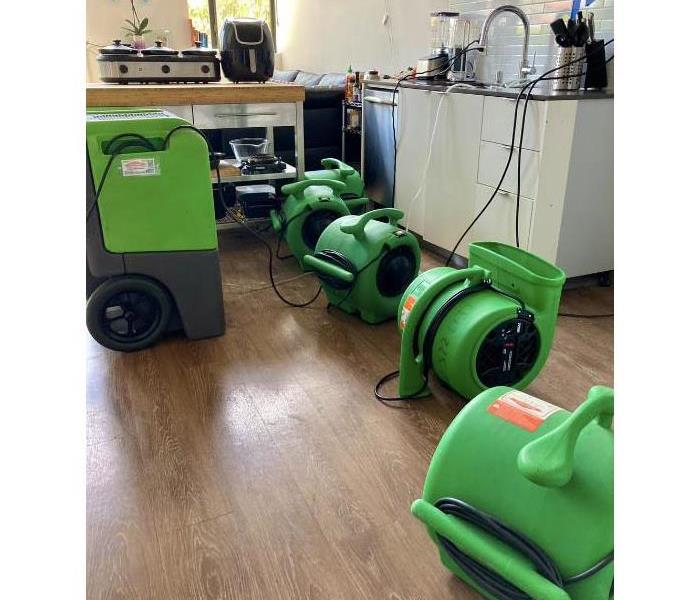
(275, 220)
(320, 265)
(333, 163)
(549, 460)
(297, 188)
(358, 227)
(480, 546)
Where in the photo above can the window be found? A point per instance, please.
(201, 12)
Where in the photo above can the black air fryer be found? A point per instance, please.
(247, 50)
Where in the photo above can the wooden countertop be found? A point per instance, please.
(173, 94)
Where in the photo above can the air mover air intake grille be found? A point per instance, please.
(508, 353)
(314, 225)
(396, 271)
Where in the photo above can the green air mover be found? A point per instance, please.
(152, 257)
(365, 264)
(519, 497)
(310, 206)
(491, 324)
(335, 169)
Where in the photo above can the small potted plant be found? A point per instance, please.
(137, 28)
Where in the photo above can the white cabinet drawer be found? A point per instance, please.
(497, 224)
(492, 161)
(498, 122)
(221, 116)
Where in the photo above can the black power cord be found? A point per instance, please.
(488, 580)
(579, 316)
(529, 87)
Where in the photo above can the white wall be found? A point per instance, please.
(105, 18)
(326, 35)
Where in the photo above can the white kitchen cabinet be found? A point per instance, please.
(498, 122)
(450, 190)
(492, 160)
(566, 178)
(497, 224)
(415, 117)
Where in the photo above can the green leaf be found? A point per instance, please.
(144, 22)
(145, 31)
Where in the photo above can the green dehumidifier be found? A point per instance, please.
(491, 324)
(152, 252)
(519, 497)
(366, 264)
(310, 206)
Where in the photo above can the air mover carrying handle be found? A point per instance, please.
(483, 548)
(297, 188)
(333, 163)
(358, 227)
(318, 264)
(549, 460)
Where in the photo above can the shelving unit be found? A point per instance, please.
(351, 135)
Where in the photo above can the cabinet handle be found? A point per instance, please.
(376, 100)
(256, 114)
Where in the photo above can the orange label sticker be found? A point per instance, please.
(523, 410)
(406, 311)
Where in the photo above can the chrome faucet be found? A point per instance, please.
(525, 68)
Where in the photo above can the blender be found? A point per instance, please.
(436, 64)
(461, 68)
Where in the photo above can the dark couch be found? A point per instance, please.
(323, 117)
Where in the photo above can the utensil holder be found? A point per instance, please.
(571, 74)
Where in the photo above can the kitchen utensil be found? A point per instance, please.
(581, 34)
(563, 41)
(244, 148)
(559, 27)
(591, 27)
(575, 6)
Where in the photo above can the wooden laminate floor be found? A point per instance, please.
(259, 466)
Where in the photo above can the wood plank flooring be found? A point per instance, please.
(258, 465)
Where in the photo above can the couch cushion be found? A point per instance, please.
(332, 80)
(287, 76)
(307, 79)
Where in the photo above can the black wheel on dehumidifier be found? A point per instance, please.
(128, 313)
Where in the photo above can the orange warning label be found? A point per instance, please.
(523, 410)
(406, 311)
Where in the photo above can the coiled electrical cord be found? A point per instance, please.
(485, 578)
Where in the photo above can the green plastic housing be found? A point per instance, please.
(553, 484)
(362, 239)
(461, 334)
(303, 199)
(151, 201)
(340, 171)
